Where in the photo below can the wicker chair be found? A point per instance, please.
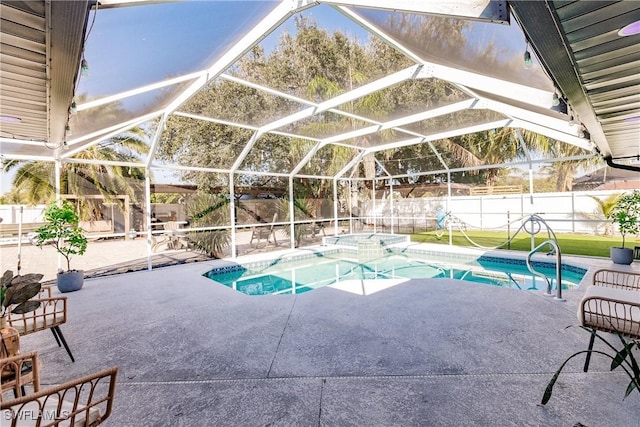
(86, 401)
(18, 371)
(611, 304)
(50, 315)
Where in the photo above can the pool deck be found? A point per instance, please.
(421, 353)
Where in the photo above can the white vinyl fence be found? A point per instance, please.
(574, 212)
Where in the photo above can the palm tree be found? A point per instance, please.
(602, 211)
(208, 210)
(562, 172)
(34, 181)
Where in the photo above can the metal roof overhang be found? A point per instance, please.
(41, 50)
(595, 68)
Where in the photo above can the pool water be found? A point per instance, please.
(303, 275)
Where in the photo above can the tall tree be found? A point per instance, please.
(34, 182)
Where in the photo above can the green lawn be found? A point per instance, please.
(573, 244)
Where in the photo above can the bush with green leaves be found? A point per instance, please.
(62, 231)
(626, 214)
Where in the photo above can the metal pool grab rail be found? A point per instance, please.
(556, 249)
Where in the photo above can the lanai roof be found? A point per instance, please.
(149, 58)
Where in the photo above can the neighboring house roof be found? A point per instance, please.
(607, 178)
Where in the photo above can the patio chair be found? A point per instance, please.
(85, 401)
(18, 371)
(174, 237)
(611, 304)
(50, 315)
(263, 232)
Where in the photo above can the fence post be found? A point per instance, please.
(508, 230)
(573, 212)
(481, 214)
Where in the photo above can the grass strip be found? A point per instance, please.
(570, 244)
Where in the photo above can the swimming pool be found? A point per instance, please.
(303, 273)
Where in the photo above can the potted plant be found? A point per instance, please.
(63, 233)
(15, 297)
(626, 214)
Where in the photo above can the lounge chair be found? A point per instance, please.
(264, 232)
(611, 304)
(173, 237)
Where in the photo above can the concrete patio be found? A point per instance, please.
(439, 352)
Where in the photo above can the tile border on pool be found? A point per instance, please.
(490, 258)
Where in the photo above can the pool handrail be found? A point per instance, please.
(556, 250)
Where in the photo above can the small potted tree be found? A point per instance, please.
(626, 214)
(63, 233)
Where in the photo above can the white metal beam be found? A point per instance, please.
(302, 175)
(523, 146)
(395, 144)
(349, 165)
(137, 91)
(517, 92)
(560, 124)
(552, 133)
(494, 166)
(382, 167)
(553, 127)
(307, 158)
(261, 173)
(441, 135)
(447, 109)
(214, 120)
(243, 126)
(20, 141)
(243, 154)
(28, 158)
(106, 133)
(104, 162)
(266, 89)
(156, 139)
(190, 168)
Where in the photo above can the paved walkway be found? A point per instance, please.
(115, 256)
(423, 353)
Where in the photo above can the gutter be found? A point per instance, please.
(609, 161)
